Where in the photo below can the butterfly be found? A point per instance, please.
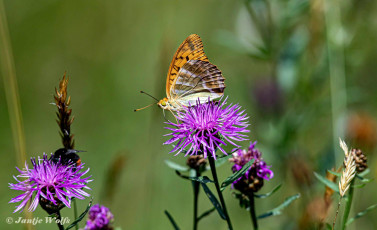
(191, 77)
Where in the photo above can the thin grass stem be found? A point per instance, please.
(8, 72)
(336, 62)
(337, 212)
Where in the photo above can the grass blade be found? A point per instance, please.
(176, 166)
(335, 173)
(222, 160)
(171, 220)
(214, 201)
(328, 183)
(268, 194)
(278, 210)
(74, 223)
(361, 214)
(206, 213)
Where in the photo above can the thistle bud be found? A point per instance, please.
(197, 162)
(252, 181)
(360, 160)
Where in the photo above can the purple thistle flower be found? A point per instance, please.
(52, 181)
(258, 171)
(205, 127)
(100, 217)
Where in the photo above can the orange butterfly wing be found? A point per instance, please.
(190, 49)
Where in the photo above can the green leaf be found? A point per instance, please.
(277, 211)
(334, 173)
(328, 226)
(236, 175)
(328, 183)
(206, 213)
(366, 180)
(222, 160)
(268, 194)
(176, 166)
(74, 223)
(171, 220)
(364, 173)
(214, 201)
(201, 179)
(358, 185)
(227, 154)
(360, 214)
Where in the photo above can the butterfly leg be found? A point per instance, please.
(174, 116)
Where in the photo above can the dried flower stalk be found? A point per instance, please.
(64, 113)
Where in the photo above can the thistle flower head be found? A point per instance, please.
(203, 128)
(259, 171)
(349, 170)
(100, 217)
(49, 181)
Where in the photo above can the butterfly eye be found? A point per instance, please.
(163, 103)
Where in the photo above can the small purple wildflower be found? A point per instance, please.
(100, 217)
(259, 167)
(205, 127)
(52, 181)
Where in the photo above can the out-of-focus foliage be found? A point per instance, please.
(276, 58)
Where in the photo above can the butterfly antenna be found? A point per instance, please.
(144, 107)
(149, 95)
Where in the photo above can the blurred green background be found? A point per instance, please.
(303, 70)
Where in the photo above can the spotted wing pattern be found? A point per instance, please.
(190, 49)
(197, 79)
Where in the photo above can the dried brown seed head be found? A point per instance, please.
(360, 160)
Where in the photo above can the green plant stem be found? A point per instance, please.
(11, 88)
(337, 211)
(219, 193)
(252, 211)
(8, 72)
(75, 212)
(337, 72)
(59, 220)
(348, 205)
(196, 186)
